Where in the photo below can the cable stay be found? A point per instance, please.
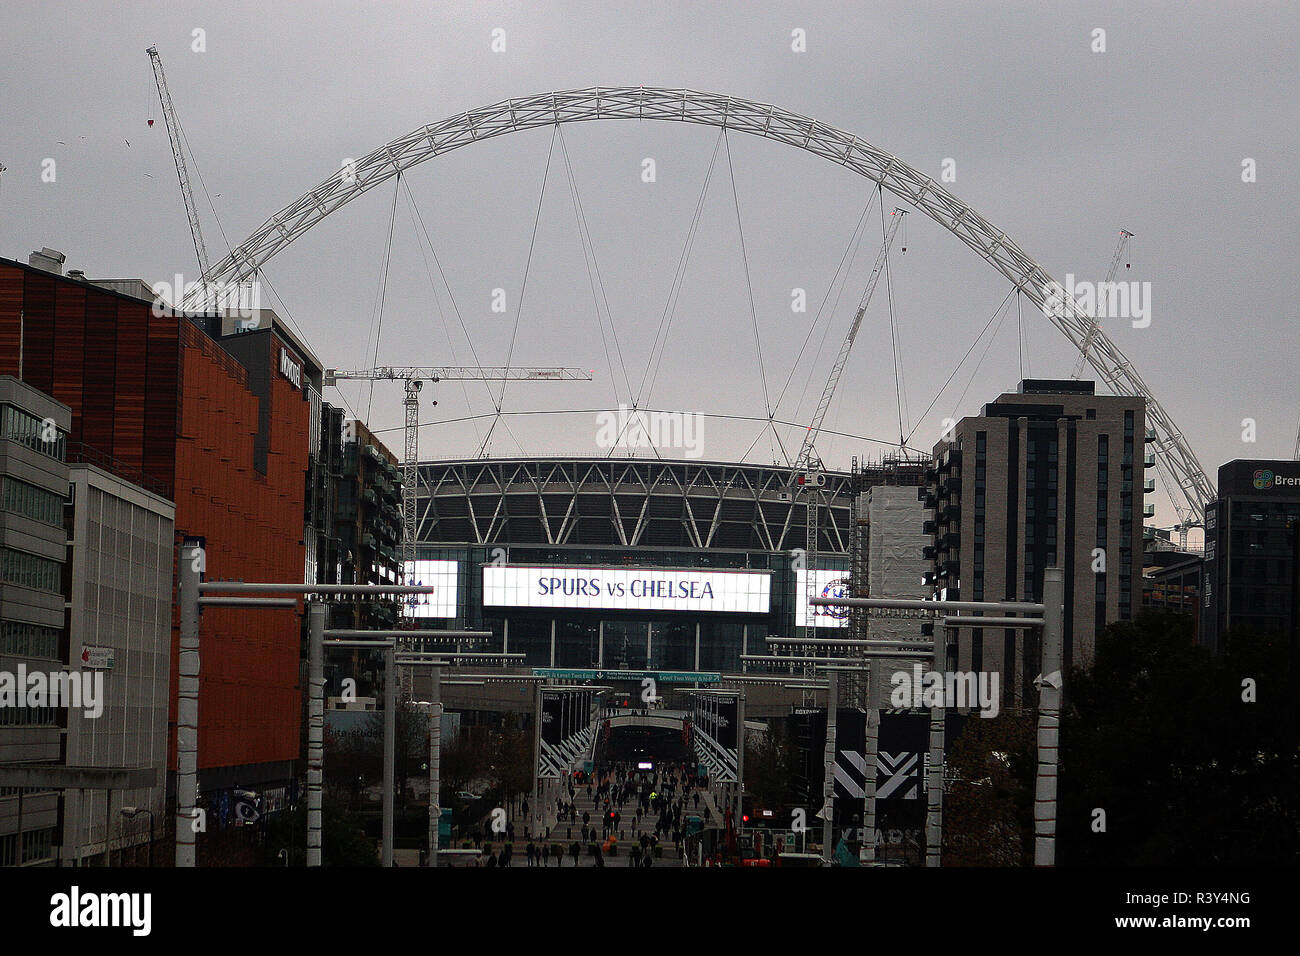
(523, 288)
(899, 388)
(957, 368)
(845, 268)
(749, 286)
(1094, 324)
(594, 278)
(381, 296)
(523, 412)
(660, 344)
(418, 221)
(806, 474)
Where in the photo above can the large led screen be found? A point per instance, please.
(826, 584)
(628, 589)
(442, 602)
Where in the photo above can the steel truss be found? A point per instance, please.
(623, 502)
(1192, 485)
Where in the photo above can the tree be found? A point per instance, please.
(769, 770)
(411, 746)
(1164, 762)
(989, 804)
(462, 761)
(514, 759)
(343, 843)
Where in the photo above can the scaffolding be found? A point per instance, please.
(894, 470)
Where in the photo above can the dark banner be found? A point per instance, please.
(553, 718)
(716, 735)
(850, 764)
(725, 727)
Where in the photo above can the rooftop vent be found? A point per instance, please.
(48, 260)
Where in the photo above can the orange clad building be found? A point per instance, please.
(220, 422)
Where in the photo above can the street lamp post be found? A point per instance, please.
(192, 599)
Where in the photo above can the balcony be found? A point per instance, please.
(1149, 485)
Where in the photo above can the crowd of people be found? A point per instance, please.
(650, 804)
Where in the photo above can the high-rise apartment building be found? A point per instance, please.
(1047, 476)
(1252, 552)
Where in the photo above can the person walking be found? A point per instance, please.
(546, 854)
(532, 853)
(574, 850)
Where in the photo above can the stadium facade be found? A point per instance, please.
(641, 564)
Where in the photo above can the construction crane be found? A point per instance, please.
(178, 154)
(1124, 237)
(414, 379)
(806, 476)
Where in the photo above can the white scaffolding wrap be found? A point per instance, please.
(894, 567)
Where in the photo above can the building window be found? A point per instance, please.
(36, 503)
(26, 429)
(30, 570)
(19, 639)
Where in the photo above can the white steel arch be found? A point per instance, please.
(759, 119)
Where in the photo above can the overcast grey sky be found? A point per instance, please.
(1057, 145)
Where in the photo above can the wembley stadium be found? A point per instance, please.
(629, 564)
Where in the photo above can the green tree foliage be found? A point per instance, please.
(1157, 735)
(514, 759)
(343, 843)
(988, 807)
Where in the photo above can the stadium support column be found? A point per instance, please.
(1049, 717)
(315, 727)
(390, 749)
(828, 779)
(187, 697)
